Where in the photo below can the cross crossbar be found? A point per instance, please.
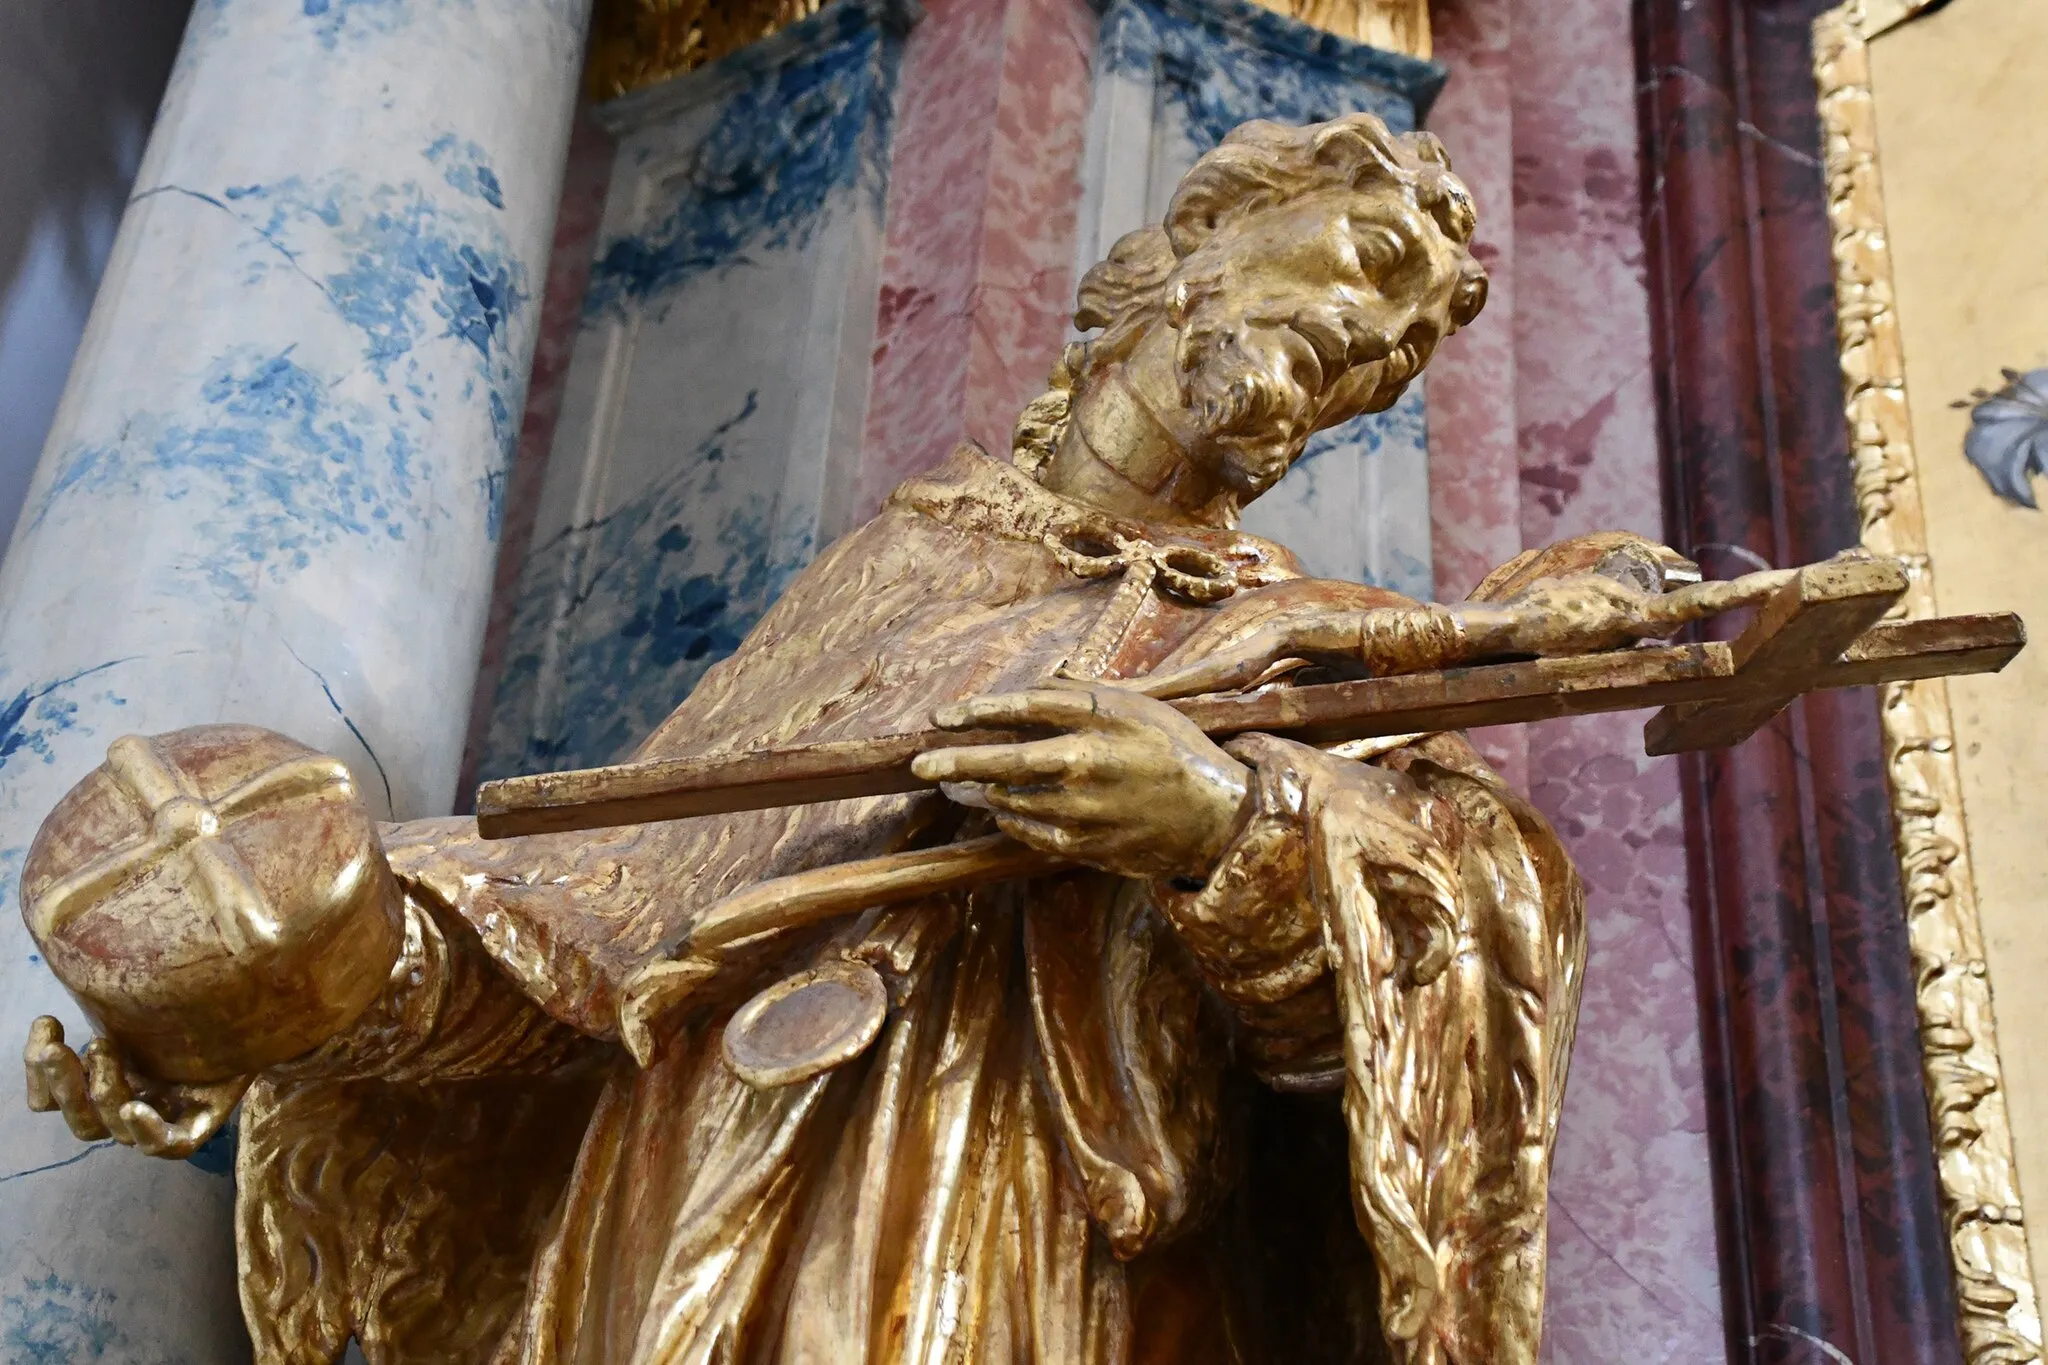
(1821, 630)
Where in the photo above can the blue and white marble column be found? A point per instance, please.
(271, 494)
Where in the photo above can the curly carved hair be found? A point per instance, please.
(1258, 166)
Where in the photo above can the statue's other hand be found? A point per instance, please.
(1132, 786)
(1291, 637)
(100, 1097)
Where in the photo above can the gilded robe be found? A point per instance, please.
(1105, 1120)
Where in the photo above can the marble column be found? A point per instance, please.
(977, 275)
(271, 494)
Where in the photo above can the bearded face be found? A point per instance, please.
(1298, 317)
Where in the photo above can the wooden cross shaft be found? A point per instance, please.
(1821, 630)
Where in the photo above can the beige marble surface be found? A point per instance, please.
(1962, 100)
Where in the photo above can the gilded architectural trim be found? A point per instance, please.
(637, 43)
(1391, 25)
(1996, 1302)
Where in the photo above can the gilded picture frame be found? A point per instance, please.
(1971, 1105)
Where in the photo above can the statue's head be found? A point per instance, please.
(1302, 276)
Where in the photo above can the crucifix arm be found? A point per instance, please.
(1814, 630)
(1819, 629)
(1583, 613)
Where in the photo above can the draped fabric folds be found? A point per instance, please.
(1071, 1141)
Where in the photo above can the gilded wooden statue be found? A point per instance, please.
(1260, 1060)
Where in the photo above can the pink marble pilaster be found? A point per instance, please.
(1025, 293)
(977, 266)
(1474, 486)
(1634, 1272)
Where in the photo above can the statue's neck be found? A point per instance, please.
(1119, 453)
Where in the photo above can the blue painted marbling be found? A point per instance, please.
(34, 716)
(290, 465)
(275, 464)
(467, 167)
(791, 137)
(410, 268)
(56, 1321)
(736, 191)
(1368, 440)
(631, 609)
(1230, 60)
(334, 20)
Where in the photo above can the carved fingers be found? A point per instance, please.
(56, 1080)
(1582, 613)
(100, 1098)
(1298, 633)
(1133, 786)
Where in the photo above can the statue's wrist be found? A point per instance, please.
(1236, 802)
(395, 1023)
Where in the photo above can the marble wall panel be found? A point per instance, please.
(977, 280)
(1634, 1256)
(1543, 426)
(1475, 468)
(716, 401)
(585, 185)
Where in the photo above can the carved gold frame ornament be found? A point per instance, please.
(1997, 1307)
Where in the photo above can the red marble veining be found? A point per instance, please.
(1024, 293)
(1633, 1266)
(938, 187)
(586, 182)
(1832, 1232)
(1474, 493)
(977, 265)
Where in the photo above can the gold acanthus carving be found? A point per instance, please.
(1996, 1301)
(1392, 25)
(636, 43)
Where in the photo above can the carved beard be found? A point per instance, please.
(1241, 381)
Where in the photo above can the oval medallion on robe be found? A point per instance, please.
(806, 1024)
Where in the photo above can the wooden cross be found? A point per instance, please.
(1823, 629)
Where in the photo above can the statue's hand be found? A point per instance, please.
(101, 1098)
(1132, 786)
(1590, 612)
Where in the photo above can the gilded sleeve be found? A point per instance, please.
(449, 1013)
(1409, 932)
